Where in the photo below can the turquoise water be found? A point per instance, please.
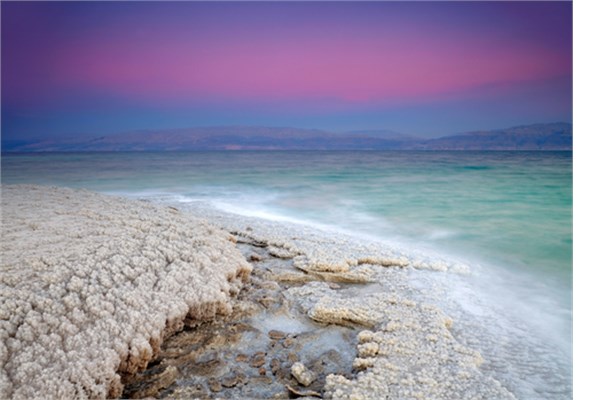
(506, 214)
(512, 208)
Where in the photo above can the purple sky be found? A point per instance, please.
(420, 68)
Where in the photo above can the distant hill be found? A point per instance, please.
(555, 136)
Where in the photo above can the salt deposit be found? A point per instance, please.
(91, 285)
(409, 350)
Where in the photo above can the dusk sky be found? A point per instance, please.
(430, 69)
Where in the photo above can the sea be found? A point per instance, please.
(507, 215)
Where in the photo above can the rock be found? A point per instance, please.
(276, 335)
(302, 374)
(294, 277)
(270, 285)
(189, 392)
(267, 301)
(155, 384)
(255, 257)
(281, 375)
(341, 277)
(275, 365)
(241, 358)
(293, 357)
(303, 393)
(214, 385)
(258, 360)
(260, 380)
(242, 378)
(262, 371)
(280, 252)
(210, 367)
(288, 342)
(230, 381)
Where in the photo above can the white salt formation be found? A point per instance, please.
(433, 358)
(408, 350)
(302, 374)
(328, 255)
(92, 284)
(410, 353)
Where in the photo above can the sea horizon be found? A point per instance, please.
(289, 199)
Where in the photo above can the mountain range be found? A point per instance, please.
(551, 136)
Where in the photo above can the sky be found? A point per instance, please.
(83, 69)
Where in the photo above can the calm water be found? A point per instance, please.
(512, 208)
(499, 211)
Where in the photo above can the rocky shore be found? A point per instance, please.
(250, 310)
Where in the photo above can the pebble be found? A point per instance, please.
(293, 357)
(275, 365)
(229, 381)
(267, 301)
(276, 335)
(258, 360)
(303, 393)
(261, 380)
(302, 374)
(241, 358)
(214, 385)
(288, 342)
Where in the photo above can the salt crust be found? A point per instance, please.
(409, 352)
(92, 284)
(320, 252)
(302, 374)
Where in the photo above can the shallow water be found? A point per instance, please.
(507, 215)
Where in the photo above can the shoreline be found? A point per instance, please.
(402, 345)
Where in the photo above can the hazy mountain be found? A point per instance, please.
(556, 136)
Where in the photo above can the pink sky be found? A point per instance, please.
(327, 55)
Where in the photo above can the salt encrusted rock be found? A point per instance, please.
(408, 364)
(413, 355)
(303, 393)
(92, 284)
(409, 353)
(385, 262)
(325, 305)
(281, 252)
(302, 374)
